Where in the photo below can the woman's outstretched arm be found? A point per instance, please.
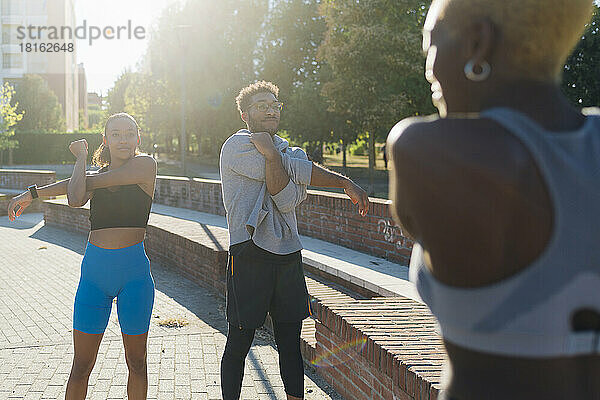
(74, 188)
(140, 169)
(24, 199)
(59, 188)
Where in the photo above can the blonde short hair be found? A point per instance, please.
(539, 35)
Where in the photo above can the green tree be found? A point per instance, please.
(40, 106)
(8, 118)
(374, 50)
(149, 101)
(212, 46)
(115, 98)
(581, 78)
(288, 52)
(288, 48)
(96, 117)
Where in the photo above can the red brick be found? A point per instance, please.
(411, 383)
(422, 389)
(434, 393)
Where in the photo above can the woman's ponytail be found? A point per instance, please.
(101, 156)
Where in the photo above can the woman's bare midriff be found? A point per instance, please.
(116, 238)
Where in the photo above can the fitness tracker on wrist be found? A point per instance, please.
(33, 191)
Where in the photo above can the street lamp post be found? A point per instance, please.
(183, 139)
(183, 133)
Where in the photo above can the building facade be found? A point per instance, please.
(83, 97)
(27, 50)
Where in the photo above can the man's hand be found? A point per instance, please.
(357, 195)
(264, 144)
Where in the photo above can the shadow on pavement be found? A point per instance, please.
(25, 221)
(193, 297)
(201, 301)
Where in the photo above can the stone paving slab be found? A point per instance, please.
(39, 271)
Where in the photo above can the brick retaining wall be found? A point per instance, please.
(20, 180)
(402, 354)
(381, 348)
(323, 215)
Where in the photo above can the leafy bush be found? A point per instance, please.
(359, 148)
(51, 148)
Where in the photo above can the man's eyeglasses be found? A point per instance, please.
(264, 107)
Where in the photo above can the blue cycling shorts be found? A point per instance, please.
(108, 273)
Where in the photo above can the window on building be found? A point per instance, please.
(9, 34)
(5, 34)
(36, 7)
(11, 7)
(10, 60)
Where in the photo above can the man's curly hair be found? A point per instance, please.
(245, 96)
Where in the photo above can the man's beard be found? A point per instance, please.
(259, 126)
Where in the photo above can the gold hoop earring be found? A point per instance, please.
(486, 70)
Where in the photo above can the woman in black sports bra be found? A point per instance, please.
(115, 263)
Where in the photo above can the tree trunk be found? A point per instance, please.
(371, 162)
(320, 152)
(344, 157)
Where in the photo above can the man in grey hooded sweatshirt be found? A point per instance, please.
(263, 180)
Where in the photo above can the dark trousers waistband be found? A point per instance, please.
(259, 252)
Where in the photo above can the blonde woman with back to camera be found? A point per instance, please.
(501, 194)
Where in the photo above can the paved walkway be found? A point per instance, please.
(39, 271)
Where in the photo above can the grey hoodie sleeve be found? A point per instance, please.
(289, 197)
(299, 169)
(240, 155)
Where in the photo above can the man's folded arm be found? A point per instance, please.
(299, 168)
(243, 159)
(289, 197)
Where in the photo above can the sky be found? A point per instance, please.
(104, 59)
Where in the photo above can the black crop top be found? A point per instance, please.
(126, 207)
